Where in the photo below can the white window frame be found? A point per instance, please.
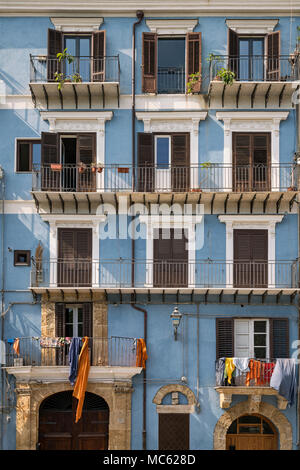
(251, 335)
(75, 308)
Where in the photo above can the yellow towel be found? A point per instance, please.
(141, 353)
(82, 377)
(229, 368)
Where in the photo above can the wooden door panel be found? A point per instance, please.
(174, 430)
(170, 267)
(250, 258)
(61, 441)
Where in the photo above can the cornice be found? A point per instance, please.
(77, 24)
(155, 7)
(171, 26)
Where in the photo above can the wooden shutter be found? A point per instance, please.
(149, 63)
(233, 51)
(180, 162)
(54, 47)
(60, 320)
(87, 319)
(224, 337)
(193, 41)
(86, 154)
(145, 170)
(273, 56)
(279, 338)
(99, 58)
(250, 258)
(174, 431)
(170, 260)
(75, 253)
(50, 180)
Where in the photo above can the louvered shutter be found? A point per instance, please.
(250, 258)
(233, 52)
(60, 320)
(149, 63)
(83, 249)
(180, 162)
(99, 57)
(241, 162)
(66, 267)
(273, 56)
(145, 170)
(242, 331)
(75, 253)
(194, 58)
(279, 338)
(86, 154)
(50, 154)
(224, 337)
(87, 320)
(54, 47)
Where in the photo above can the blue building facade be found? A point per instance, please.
(150, 202)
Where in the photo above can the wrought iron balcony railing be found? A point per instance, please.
(39, 351)
(210, 177)
(82, 69)
(166, 274)
(256, 68)
(171, 80)
(259, 374)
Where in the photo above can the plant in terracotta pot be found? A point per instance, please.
(82, 167)
(61, 77)
(227, 76)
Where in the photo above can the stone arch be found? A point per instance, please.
(166, 389)
(276, 417)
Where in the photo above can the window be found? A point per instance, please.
(22, 257)
(28, 155)
(80, 48)
(171, 65)
(251, 54)
(74, 321)
(251, 338)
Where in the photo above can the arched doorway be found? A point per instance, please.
(57, 427)
(252, 432)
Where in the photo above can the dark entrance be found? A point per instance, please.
(57, 427)
(174, 431)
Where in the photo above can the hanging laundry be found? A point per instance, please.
(255, 373)
(16, 346)
(82, 377)
(141, 353)
(46, 342)
(241, 364)
(268, 369)
(220, 370)
(74, 352)
(229, 369)
(284, 379)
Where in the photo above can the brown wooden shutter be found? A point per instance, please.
(86, 154)
(233, 51)
(224, 337)
(279, 338)
(180, 162)
(174, 431)
(99, 58)
(149, 63)
(170, 260)
(50, 180)
(273, 56)
(194, 65)
(54, 47)
(87, 319)
(75, 253)
(145, 170)
(60, 320)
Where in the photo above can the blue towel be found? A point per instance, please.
(74, 352)
(284, 379)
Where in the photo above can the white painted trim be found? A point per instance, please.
(172, 121)
(187, 409)
(257, 26)
(76, 24)
(171, 26)
(250, 222)
(69, 221)
(185, 222)
(18, 206)
(53, 374)
(252, 121)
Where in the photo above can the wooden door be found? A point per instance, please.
(252, 432)
(250, 258)
(57, 427)
(50, 156)
(74, 257)
(170, 267)
(174, 431)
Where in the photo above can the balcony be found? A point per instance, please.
(260, 81)
(200, 277)
(254, 383)
(207, 183)
(171, 80)
(47, 360)
(89, 82)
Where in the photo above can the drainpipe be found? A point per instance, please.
(140, 16)
(2, 182)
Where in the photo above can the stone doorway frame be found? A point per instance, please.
(30, 397)
(277, 418)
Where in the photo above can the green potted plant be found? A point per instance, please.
(60, 77)
(203, 178)
(227, 76)
(76, 77)
(96, 167)
(193, 79)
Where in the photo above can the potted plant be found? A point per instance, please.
(203, 176)
(82, 167)
(193, 79)
(76, 77)
(227, 76)
(60, 77)
(96, 167)
(56, 166)
(123, 169)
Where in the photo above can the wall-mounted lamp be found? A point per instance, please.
(176, 318)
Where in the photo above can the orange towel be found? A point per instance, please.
(141, 353)
(255, 373)
(16, 346)
(82, 377)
